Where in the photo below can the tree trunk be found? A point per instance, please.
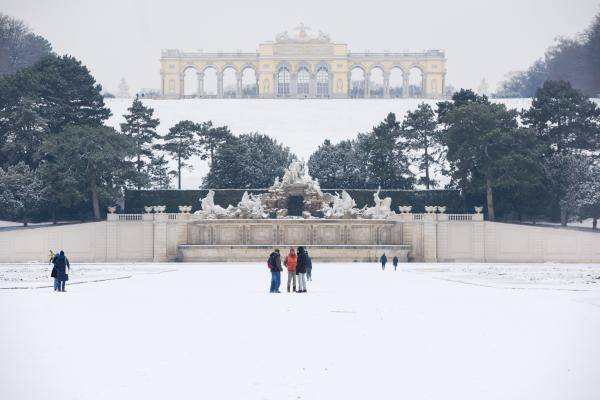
(426, 168)
(490, 199)
(595, 223)
(95, 201)
(179, 172)
(563, 216)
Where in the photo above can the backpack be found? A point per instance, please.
(270, 262)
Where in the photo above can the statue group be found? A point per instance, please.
(296, 182)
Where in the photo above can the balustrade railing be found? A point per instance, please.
(130, 217)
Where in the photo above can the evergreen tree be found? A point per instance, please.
(248, 161)
(386, 157)
(485, 146)
(181, 143)
(419, 131)
(336, 166)
(140, 126)
(42, 100)
(564, 119)
(99, 158)
(21, 192)
(158, 173)
(210, 138)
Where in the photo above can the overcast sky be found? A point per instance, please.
(482, 39)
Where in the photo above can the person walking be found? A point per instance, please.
(395, 262)
(301, 269)
(308, 267)
(274, 264)
(62, 266)
(383, 261)
(290, 262)
(53, 256)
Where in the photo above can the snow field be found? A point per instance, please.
(212, 331)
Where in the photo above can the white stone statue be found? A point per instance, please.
(382, 208)
(212, 210)
(296, 174)
(251, 207)
(343, 206)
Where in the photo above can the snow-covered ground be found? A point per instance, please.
(211, 331)
(301, 125)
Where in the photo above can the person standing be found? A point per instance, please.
(62, 266)
(301, 269)
(290, 262)
(274, 264)
(53, 258)
(395, 262)
(308, 267)
(383, 261)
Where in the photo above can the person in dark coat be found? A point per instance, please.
(52, 261)
(383, 261)
(308, 266)
(395, 262)
(274, 264)
(301, 269)
(62, 265)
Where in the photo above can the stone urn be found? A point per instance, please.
(441, 209)
(112, 209)
(185, 209)
(148, 209)
(160, 209)
(478, 209)
(430, 209)
(405, 209)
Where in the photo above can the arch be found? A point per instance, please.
(396, 81)
(303, 81)
(230, 81)
(190, 82)
(209, 81)
(322, 77)
(357, 77)
(283, 81)
(415, 81)
(249, 81)
(376, 81)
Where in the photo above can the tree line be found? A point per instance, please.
(576, 60)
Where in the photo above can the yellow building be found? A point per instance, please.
(304, 66)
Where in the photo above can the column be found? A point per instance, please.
(424, 90)
(112, 221)
(443, 88)
(312, 86)
(293, 84)
(160, 237)
(367, 90)
(200, 76)
(162, 85)
(430, 237)
(349, 87)
(257, 85)
(219, 84)
(238, 89)
(386, 84)
(181, 87)
(405, 84)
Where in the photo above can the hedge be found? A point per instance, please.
(135, 200)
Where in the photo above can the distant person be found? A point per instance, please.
(61, 263)
(52, 260)
(274, 264)
(395, 262)
(290, 262)
(301, 269)
(308, 267)
(383, 261)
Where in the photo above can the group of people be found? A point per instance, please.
(60, 270)
(298, 265)
(383, 260)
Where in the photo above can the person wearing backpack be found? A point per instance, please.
(290, 262)
(395, 262)
(274, 263)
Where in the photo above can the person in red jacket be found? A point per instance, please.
(290, 262)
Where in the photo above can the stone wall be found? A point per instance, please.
(418, 237)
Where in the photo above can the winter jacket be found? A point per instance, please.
(308, 262)
(302, 261)
(383, 259)
(395, 260)
(290, 262)
(61, 263)
(275, 262)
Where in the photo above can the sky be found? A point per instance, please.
(482, 39)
